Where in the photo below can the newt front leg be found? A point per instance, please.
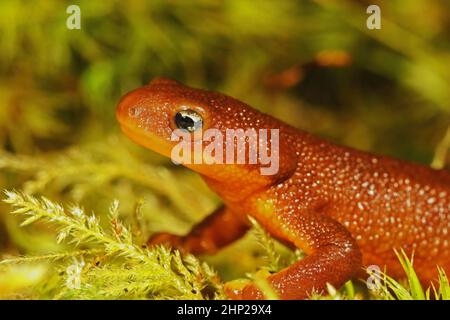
(333, 257)
(216, 231)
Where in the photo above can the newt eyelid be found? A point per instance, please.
(343, 207)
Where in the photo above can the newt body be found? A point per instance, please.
(344, 208)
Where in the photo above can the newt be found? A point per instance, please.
(343, 207)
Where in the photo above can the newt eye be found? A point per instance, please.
(188, 120)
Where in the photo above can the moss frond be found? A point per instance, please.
(50, 257)
(267, 243)
(131, 270)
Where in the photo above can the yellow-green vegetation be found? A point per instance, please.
(59, 139)
(391, 289)
(118, 267)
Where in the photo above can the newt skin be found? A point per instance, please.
(344, 208)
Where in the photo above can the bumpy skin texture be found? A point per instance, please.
(344, 208)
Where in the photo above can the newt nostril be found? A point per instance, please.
(135, 111)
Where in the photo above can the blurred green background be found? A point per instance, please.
(313, 64)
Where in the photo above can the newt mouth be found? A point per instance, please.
(145, 139)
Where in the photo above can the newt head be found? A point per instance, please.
(147, 115)
(156, 113)
(150, 115)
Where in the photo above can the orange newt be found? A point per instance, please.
(344, 208)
